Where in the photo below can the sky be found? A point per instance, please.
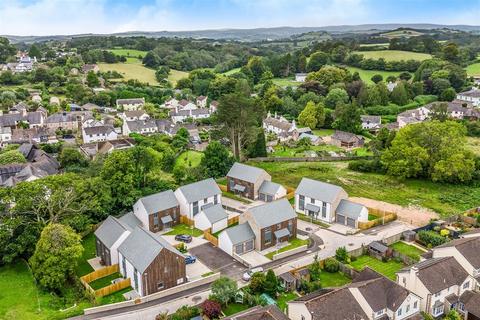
(55, 17)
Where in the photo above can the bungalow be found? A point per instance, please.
(246, 180)
(472, 96)
(99, 133)
(370, 296)
(212, 217)
(438, 282)
(202, 101)
(347, 140)
(151, 263)
(371, 123)
(110, 235)
(130, 104)
(193, 197)
(158, 211)
(328, 202)
(271, 223)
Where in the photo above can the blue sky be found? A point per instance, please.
(46, 17)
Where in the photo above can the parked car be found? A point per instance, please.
(248, 275)
(184, 238)
(190, 259)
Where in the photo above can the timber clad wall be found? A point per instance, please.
(274, 228)
(250, 187)
(103, 252)
(167, 268)
(173, 212)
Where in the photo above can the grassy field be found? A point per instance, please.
(230, 72)
(474, 69)
(408, 250)
(388, 269)
(294, 243)
(184, 229)
(446, 199)
(366, 75)
(131, 71)
(394, 55)
(473, 143)
(331, 280)
(132, 53)
(176, 75)
(401, 34)
(21, 299)
(286, 82)
(323, 132)
(189, 159)
(233, 308)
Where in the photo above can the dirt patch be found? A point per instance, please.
(414, 215)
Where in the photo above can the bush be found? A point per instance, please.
(332, 265)
(182, 247)
(365, 166)
(431, 238)
(341, 254)
(211, 309)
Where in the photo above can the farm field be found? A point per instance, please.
(176, 75)
(402, 34)
(474, 69)
(230, 72)
(129, 53)
(366, 75)
(131, 71)
(394, 55)
(445, 199)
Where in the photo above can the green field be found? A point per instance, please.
(408, 250)
(394, 55)
(366, 75)
(232, 71)
(323, 132)
(286, 82)
(474, 69)
(176, 75)
(188, 159)
(131, 71)
(446, 199)
(388, 269)
(331, 280)
(401, 34)
(132, 53)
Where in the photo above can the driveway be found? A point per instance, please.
(195, 241)
(196, 270)
(218, 261)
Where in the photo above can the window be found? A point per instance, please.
(438, 311)
(399, 312)
(466, 285)
(279, 226)
(312, 200)
(415, 305)
(301, 202)
(408, 308)
(378, 313)
(438, 294)
(160, 286)
(290, 226)
(155, 219)
(124, 266)
(232, 184)
(461, 306)
(324, 209)
(205, 201)
(195, 207)
(239, 248)
(268, 236)
(303, 318)
(135, 279)
(165, 269)
(215, 199)
(180, 281)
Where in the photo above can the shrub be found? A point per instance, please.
(211, 309)
(444, 233)
(331, 265)
(431, 238)
(185, 313)
(182, 247)
(365, 166)
(341, 254)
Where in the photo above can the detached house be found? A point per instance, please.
(329, 203)
(202, 101)
(253, 183)
(195, 196)
(471, 96)
(99, 133)
(371, 123)
(151, 263)
(158, 211)
(347, 140)
(130, 104)
(280, 127)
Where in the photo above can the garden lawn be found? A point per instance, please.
(189, 159)
(283, 298)
(89, 252)
(114, 297)
(294, 243)
(366, 75)
(407, 249)
(21, 299)
(394, 55)
(284, 151)
(184, 229)
(105, 281)
(474, 69)
(323, 132)
(131, 70)
(233, 308)
(331, 280)
(446, 199)
(388, 269)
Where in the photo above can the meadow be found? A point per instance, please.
(394, 55)
(366, 75)
(129, 53)
(474, 69)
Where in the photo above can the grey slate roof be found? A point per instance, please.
(272, 213)
(245, 173)
(110, 230)
(99, 130)
(468, 247)
(130, 220)
(215, 213)
(270, 188)
(200, 190)
(318, 190)
(241, 233)
(159, 201)
(131, 101)
(141, 247)
(349, 209)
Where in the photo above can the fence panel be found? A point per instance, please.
(125, 283)
(100, 273)
(233, 220)
(209, 237)
(186, 220)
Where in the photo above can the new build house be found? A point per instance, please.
(253, 183)
(328, 203)
(151, 263)
(195, 196)
(212, 217)
(158, 211)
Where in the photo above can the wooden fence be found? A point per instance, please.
(383, 217)
(233, 220)
(208, 236)
(186, 220)
(101, 273)
(120, 285)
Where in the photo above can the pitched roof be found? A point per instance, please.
(141, 247)
(200, 190)
(283, 125)
(131, 101)
(240, 233)
(474, 93)
(468, 247)
(159, 201)
(319, 190)
(138, 125)
(371, 119)
(272, 213)
(270, 312)
(245, 172)
(99, 130)
(110, 230)
(215, 213)
(471, 300)
(269, 187)
(346, 136)
(349, 209)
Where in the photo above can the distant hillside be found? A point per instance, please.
(258, 34)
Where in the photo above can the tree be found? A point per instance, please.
(71, 157)
(259, 147)
(211, 309)
(377, 78)
(34, 52)
(331, 265)
(317, 60)
(6, 50)
(399, 95)
(329, 75)
(216, 160)
(224, 289)
(92, 79)
(12, 156)
(439, 111)
(56, 256)
(453, 315)
(334, 96)
(315, 269)
(448, 94)
(451, 52)
(151, 60)
(341, 254)
(162, 73)
(257, 282)
(347, 118)
(308, 117)
(321, 115)
(256, 66)
(271, 283)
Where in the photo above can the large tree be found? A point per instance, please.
(224, 289)
(308, 117)
(347, 118)
(216, 160)
(6, 50)
(56, 256)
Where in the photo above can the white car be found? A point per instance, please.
(248, 275)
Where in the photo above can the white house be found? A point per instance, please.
(212, 217)
(472, 96)
(130, 104)
(280, 127)
(237, 240)
(186, 105)
(371, 123)
(5, 134)
(99, 133)
(134, 115)
(202, 101)
(193, 197)
(300, 77)
(139, 126)
(182, 115)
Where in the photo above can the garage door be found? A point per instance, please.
(249, 246)
(351, 222)
(340, 219)
(261, 196)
